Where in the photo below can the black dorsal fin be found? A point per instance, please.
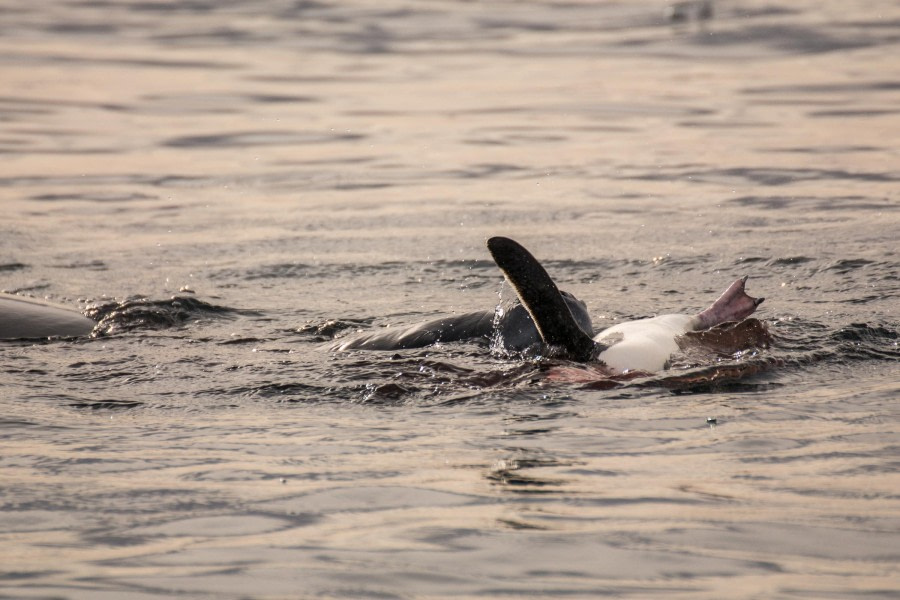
(541, 298)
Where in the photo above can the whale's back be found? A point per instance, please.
(27, 318)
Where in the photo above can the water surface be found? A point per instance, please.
(231, 186)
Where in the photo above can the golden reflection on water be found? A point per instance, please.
(315, 162)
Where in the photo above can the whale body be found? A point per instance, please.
(561, 321)
(514, 329)
(23, 318)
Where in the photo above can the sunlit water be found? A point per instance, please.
(293, 172)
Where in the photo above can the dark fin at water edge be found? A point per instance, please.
(542, 299)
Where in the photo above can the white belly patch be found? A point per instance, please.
(645, 344)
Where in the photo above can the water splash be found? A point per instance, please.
(139, 313)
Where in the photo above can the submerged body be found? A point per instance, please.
(22, 318)
(514, 329)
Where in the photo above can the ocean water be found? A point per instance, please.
(229, 187)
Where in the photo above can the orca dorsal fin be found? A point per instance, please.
(541, 298)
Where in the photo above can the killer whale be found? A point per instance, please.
(561, 321)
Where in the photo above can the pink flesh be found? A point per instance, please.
(733, 305)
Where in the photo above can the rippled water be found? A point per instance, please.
(230, 186)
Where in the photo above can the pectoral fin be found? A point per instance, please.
(542, 299)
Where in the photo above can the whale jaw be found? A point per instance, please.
(733, 305)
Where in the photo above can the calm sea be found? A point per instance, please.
(231, 186)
